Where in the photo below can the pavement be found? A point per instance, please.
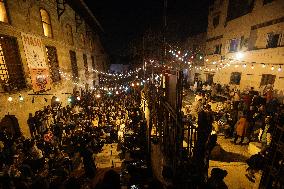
(108, 157)
(231, 158)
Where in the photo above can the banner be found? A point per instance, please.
(38, 68)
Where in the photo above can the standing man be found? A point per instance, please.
(32, 125)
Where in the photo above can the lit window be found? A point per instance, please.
(69, 34)
(46, 24)
(3, 12)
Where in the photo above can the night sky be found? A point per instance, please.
(126, 20)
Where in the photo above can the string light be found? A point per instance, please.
(279, 69)
(272, 68)
(252, 66)
(10, 99)
(69, 99)
(21, 98)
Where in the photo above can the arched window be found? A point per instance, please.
(3, 12)
(69, 34)
(46, 24)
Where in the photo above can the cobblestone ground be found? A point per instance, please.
(232, 158)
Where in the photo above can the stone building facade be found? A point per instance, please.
(245, 43)
(46, 49)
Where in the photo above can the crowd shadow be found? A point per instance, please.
(219, 154)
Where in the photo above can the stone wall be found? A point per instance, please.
(24, 16)
(253, 29)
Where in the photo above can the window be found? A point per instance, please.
(267, 1)
(267, 79)
(86, 65)
(93, 63)
(218, 49)
(82, 37)
(3, 12)
(52, 60)
(237, 8)
(69, 34)
(46, 24)
(209, 78)
(12, 76)
(234, 43)
(216, 21)
(74, 66)
(235, 78)
(273, 40)
(91, 44)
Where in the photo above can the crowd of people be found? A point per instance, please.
(244, 116)
(247, 114)
(64, 140)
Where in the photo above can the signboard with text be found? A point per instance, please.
(38, 68)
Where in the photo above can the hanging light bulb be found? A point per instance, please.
(69, 99)
(279, 69)
(57, 99)
(10, 99)
(78, 98)
(252, 66)
(244, 65)
(272, 68)
(263, 65)
(21, 98)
